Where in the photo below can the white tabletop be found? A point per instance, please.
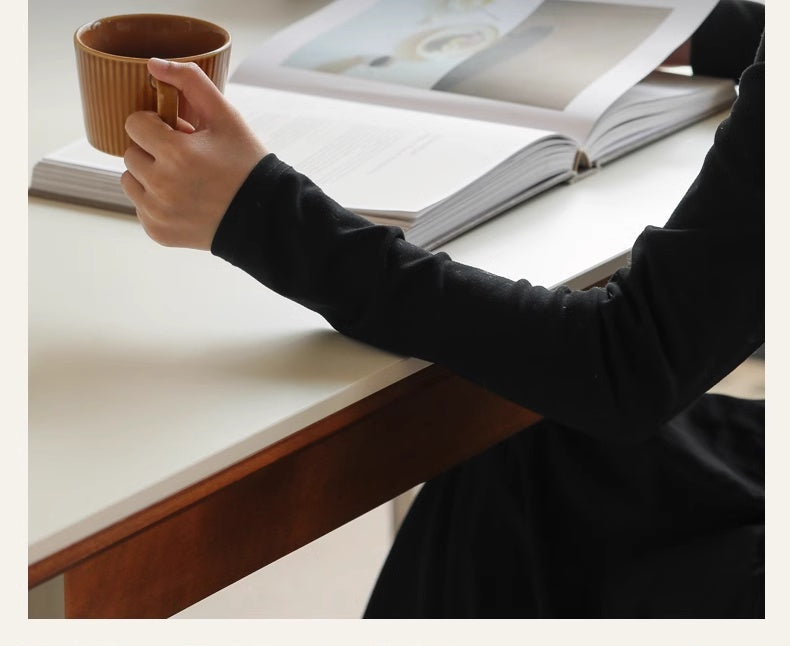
(152, 368)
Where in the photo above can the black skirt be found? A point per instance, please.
(553, 523)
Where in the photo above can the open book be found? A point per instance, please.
(435, 115)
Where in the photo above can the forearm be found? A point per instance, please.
(608, 361)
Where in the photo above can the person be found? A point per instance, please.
(638, 495)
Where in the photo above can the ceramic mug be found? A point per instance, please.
(114, 81)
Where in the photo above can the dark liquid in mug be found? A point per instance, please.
(146, 37)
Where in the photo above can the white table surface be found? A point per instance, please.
(152, 368)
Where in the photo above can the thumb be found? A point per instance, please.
(203, 97)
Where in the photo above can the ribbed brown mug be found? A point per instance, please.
(112, 54)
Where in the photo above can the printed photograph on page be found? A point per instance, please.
(496, 49)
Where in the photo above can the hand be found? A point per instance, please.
(182, 180)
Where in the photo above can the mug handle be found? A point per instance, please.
(166, 102)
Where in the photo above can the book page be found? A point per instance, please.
(369, 158)
(674, 100)
(552, 64)
(364, 156)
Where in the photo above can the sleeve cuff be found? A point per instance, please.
(242, 219)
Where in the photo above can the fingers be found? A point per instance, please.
(135, 183)
(148, 131)
(139, 163)
(136, 193)
(145, 207)
(203, 96)
(132, 188)
(185, 126)
(203, 106)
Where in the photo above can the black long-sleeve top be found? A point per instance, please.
(616, 362)
(724, 43)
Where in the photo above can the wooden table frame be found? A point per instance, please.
(231, 524)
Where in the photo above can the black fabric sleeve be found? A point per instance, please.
(724, 44)
(616, 361)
